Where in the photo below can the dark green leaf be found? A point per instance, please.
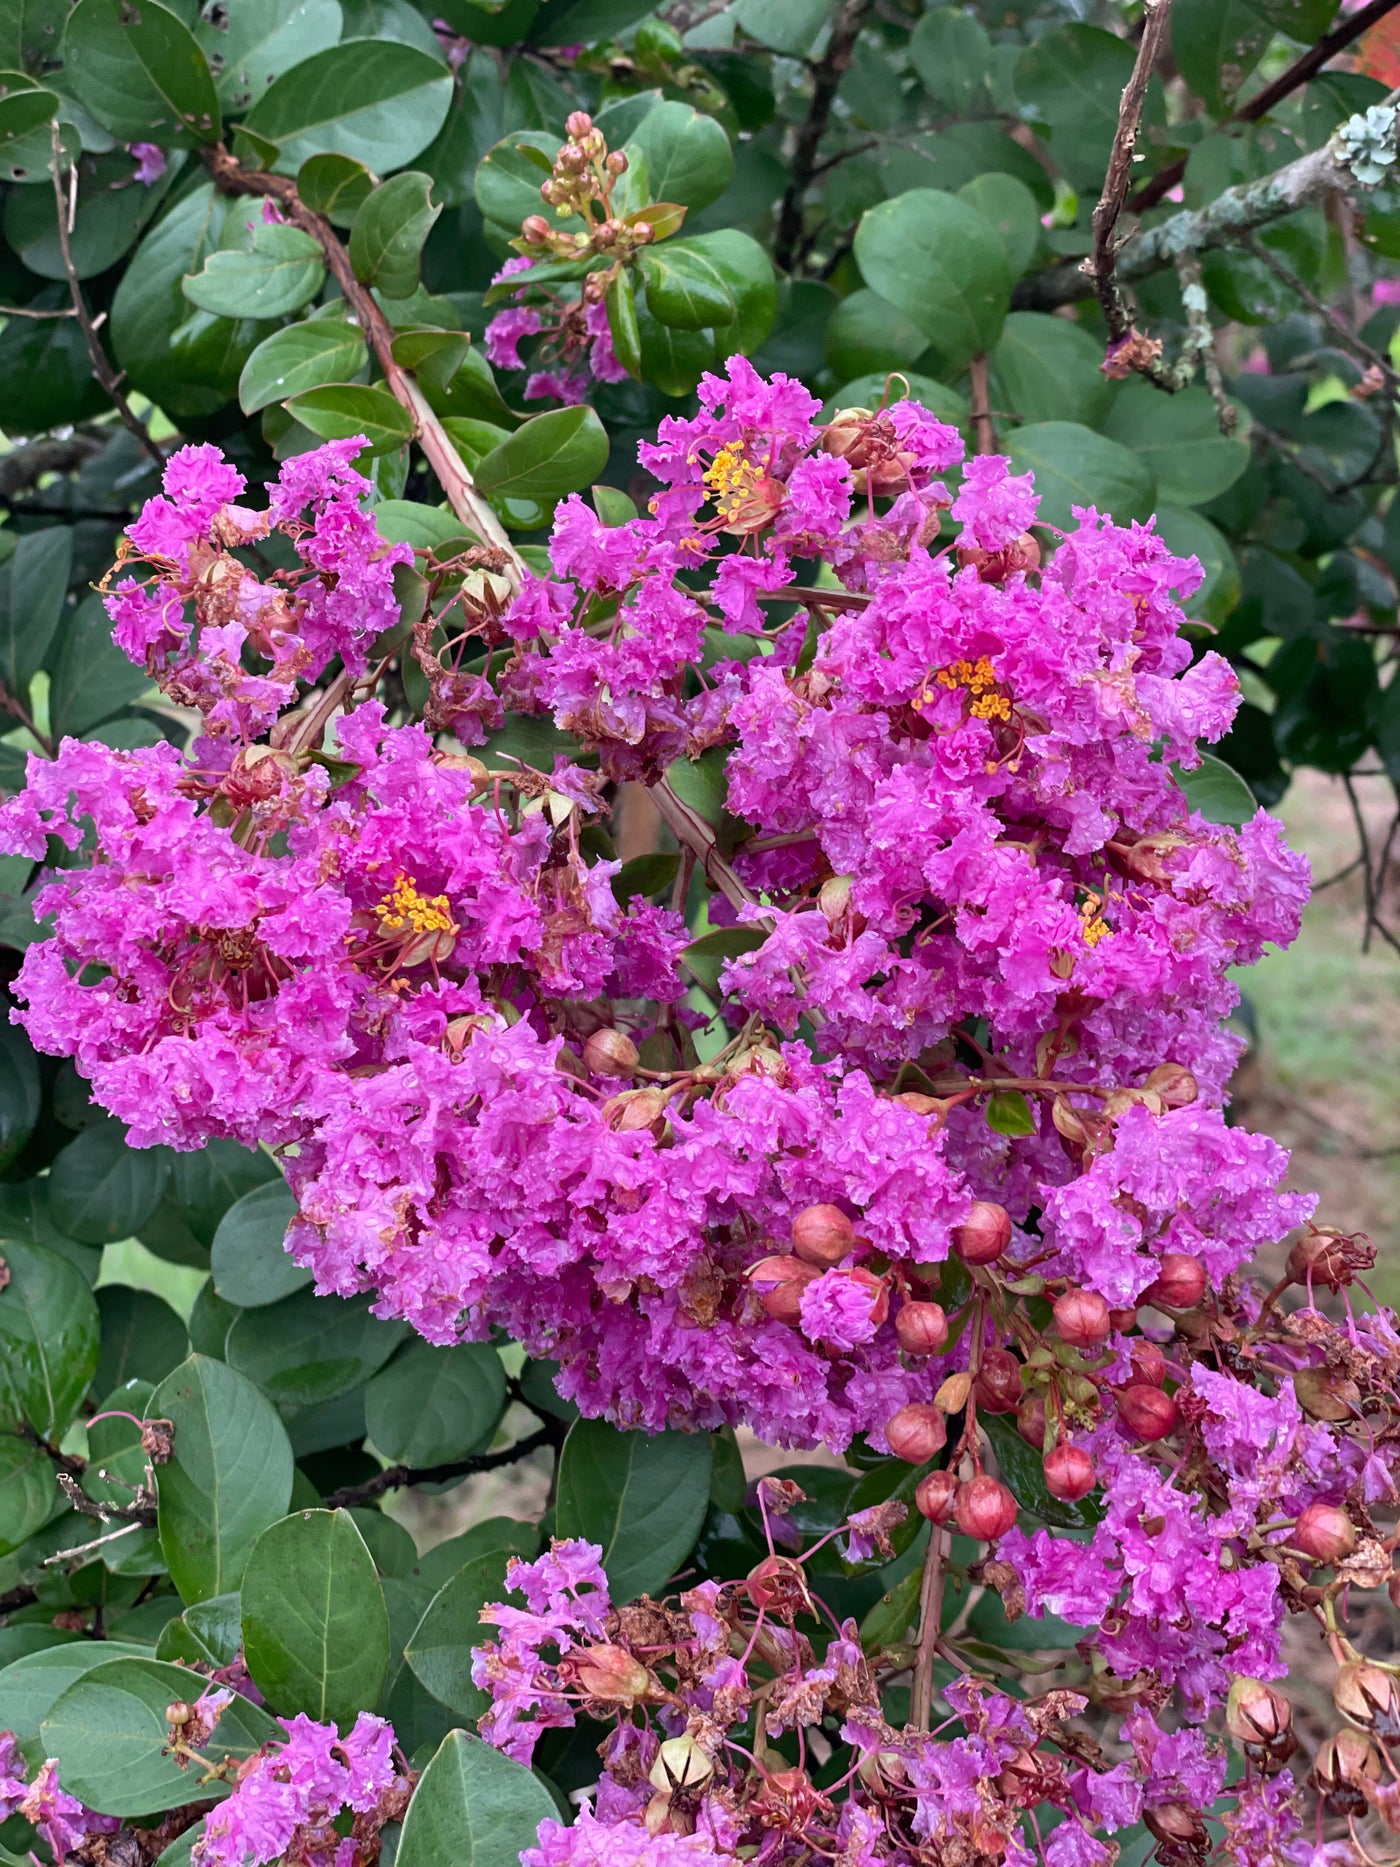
(46, 377)
(939, 262)
(386, 242)
(684, 287)
(101, 1190)
(894, 1614)
(315, 1629)
(254, 41)
(1216, 44)
(473, 1807)
(440, 1652)
(706, 957)
(32, 588)
(208, 1632)
(1178, 437)
(688, 156)
(108, 1732)
(48, 1339)
(435, 357)
(621, 303)
(646, 875)
(303, 356)
(28, 1496)
(866, 335)
(952, 55)
(641, 1498)
(248, 1260)
(508, 178)
(338, 411)
(20, 1094)
(229, 1477)
(307, 1349)
(25, 108)
(1047, 369)
(379, 103)
(429, 1406)
(548, 456)
(92, 679)
(281, 273)
(334, 186)
(1219, 793)
(138, 71)
(789, 26)
(109, 216)
(141, 1336)
(1024, 1471)
(1073, 466)
(1073, 79)
(29, 1686)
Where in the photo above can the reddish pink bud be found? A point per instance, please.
(984, 1234)
(998, 1385)
(1069, 1472)
(922, 1328)
(610, 1053)
(535, 229)
(779, 1282)
(984, 1508)
(1175, 1084)
(934, 1496)
(822, 1235)
(1324, 1532)
(1149, 1365)
(1031, 1422)
(1081, 1317)
(1180, 1283)
(578, 123)
(1122, 1319)
(1147, 1412)
(1329, 1257)
(916, 1432)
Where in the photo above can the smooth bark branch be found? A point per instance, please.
(232, 177)
(1229, 220)
(832, 68)
(1283, 86)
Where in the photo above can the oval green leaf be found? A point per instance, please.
(548, 456)
(939, 262)
(101, 1190)
(315, 1628)
(1073, 466)
(139, 72)
(473, 1807)
(340, 410)
(386, 241)
(248, 1258)
(283, 271)
(439, 1653)
(640, 1497)
(429, 1406)
(49, 1339)
(374, 100)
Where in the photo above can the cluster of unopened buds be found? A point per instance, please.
(581, 185)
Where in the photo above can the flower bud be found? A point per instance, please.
(1346, 1762)
(1031, 1422)
(1324, 1532)
(984, 1508)
(181, 1712)
(835, 896)
(578, 123)
(1255, 1713)
(1365, 1693)
(1180, 1282)
(1081, 1318)
(916, 1432)
(984, 1234)
(1149, 1364)
(1069, 1472)
(822, 1235)
(1326, 1396)
(952, 1394)
(1123, 1319)
(1177, 1822)
(616, 163)
(611, 1673)
(922, 1328)
(610, 1053)
(680, 1762)
(1175, 1084)
(998, 1383)
(845, 431)
(643, 233)
(1147, 1412)
(535, 229)
(779, 1283)
(933, 1496)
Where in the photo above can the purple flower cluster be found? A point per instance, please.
(570, 338)
(56, 1817)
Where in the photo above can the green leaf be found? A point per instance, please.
(301, 356)
(1047, 369)
(108, 1732)
(208, 1632)
(30, 1685)
(789, 26)
(892, 1616)
(509, 178)
(641, 1498)
(25, 108)
(229, 1477)
(435, 357)
(688, 156)
(142, 1336)
(684, 287)
(210, 1180)
(1073, 78)
(473, 1807)
(865, 335)
(548, 456)
(377, 102)
(338, 411)
(1023, 1468)
(28, 1496)
(305, 1349)
(646, 875)
(953, 55)
(1073, 466)
(1187, 534)
(33, 584)
(48, 1339)
(46, 377)
(1178, 437)
(1008, 1112)
(426, 528)
(283, 271)
(439, 1653)
(1007, 205)
(254, 41)
(939, 262)
(1216, 44)
(21, 1097)
(248, 1259)
(386, 241)
(101, 1190)
(334, 186)
(621, 303)
(1217, 791)
(92, 678)
(315, 1628)
(705, 958)
(139, 72)
(429, 1405)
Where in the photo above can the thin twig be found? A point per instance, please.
(930, 1629)
(86, 1549)
(833, 65)
(1101, 265)
(396, 1477)
(1283, 86)
(1200, 342)
(28, 311)
(102, 369)
(17, 710)
(1374, 923)
(28, 464)
(984, 432)
(1339, 328)
(142, 1513)
(22, 1597)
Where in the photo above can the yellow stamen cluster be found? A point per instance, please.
(1092, 924)
(977, 678)
(730, 478)
(405, 910)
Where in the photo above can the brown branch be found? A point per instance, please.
(28, 311)
(21, 1597)
(1297, 74)
(1339, 328)
(396, 1477)
(231, 177)
(26, 465)
(16, 708)
(831, 69)
(1102, 262)
(141, 1512)
(102, 369)
(983, 431)
(930, 1629)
